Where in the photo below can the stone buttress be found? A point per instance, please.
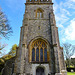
(39, 51)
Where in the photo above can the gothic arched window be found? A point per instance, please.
(45, 54)
(33, 54)
(39, 13)
(37, 54)
(41, 54)
(39, 51)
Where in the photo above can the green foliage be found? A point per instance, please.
(73, 62)
(4, 58)
(1, 61)
(12, 53)
(0, 73)
(14, 47)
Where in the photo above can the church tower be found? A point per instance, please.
(39, 51)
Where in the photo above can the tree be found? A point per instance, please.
(8, 56)
(12, 53)
(5, 28)
(73, 62)
(2, 46)
(69, 50)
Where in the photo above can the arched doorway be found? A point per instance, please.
(40, 71)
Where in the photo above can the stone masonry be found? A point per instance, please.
(44, 28)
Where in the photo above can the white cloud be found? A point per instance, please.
(70, 4)
(61, 19)
(65, 11)
(68, 33)
(72, 0)
(60, 25)
(70, 30)
(63, 14)
(73, 56)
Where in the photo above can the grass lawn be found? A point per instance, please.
(69, 73)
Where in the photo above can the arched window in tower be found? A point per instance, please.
(35, 0)
(39, 13)
(39, 51)
(41, 54)
(41, 0)
(37, 54)
(45, 54)
(33, 54)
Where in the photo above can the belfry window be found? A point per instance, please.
(39, 51)
(39, 13)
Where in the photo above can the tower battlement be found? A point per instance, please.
(39, 1)
(39, 51)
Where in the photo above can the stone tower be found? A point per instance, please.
(39, 51)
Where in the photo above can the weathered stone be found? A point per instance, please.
(42, 28)
(8, 69)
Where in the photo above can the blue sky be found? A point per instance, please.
(64, 13)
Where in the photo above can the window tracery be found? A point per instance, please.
(39, 51)
(39, 13)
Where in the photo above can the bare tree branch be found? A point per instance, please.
(69, 50)
(5, 28)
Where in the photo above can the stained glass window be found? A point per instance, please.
(41, 54)
(37, 54)
(35, 0)
(45, 54)
(39, 51)
(33, 54)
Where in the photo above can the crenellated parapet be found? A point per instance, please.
(38, 1)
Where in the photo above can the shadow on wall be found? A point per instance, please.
(9, 67)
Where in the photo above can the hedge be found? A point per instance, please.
(69, 69)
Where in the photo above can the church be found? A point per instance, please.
(39, 51)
